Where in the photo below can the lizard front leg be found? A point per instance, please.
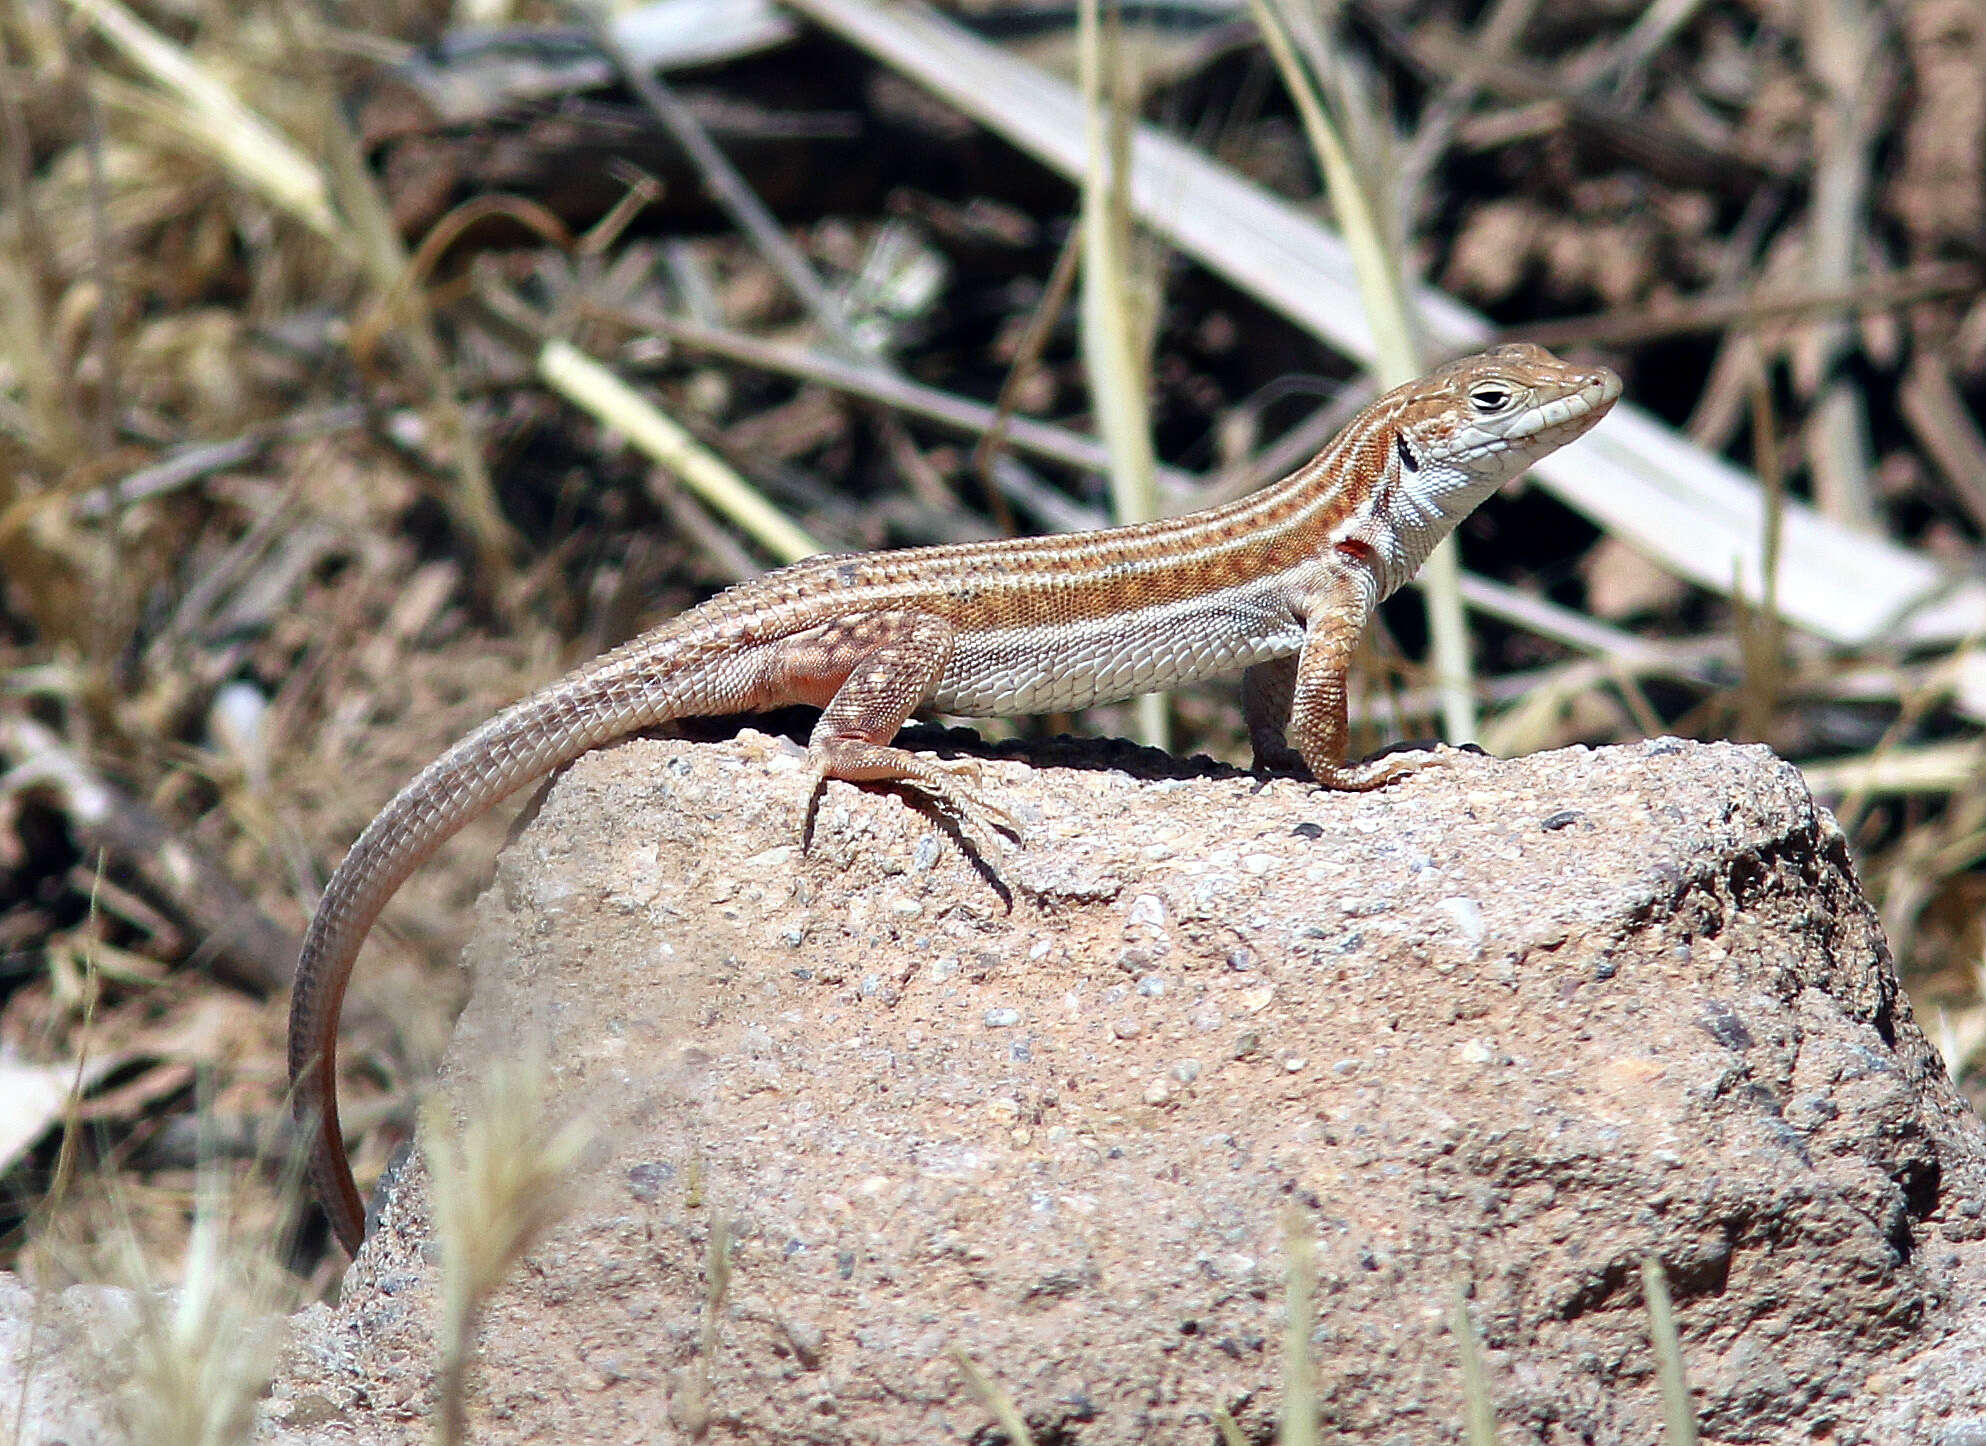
(1335, 618)
(871, 671)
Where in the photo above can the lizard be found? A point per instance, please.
(1279, 584)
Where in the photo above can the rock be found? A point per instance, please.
(1513, 1025)
(58, 1356)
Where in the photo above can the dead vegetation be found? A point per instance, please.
(309, 325)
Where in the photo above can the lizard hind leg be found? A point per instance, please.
(883, 666)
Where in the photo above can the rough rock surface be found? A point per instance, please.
(1513, 1024)
(62, 1355)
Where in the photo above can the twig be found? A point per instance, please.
(1749, 310)
(194, 461)
(873, 383)
(247, 949)
(1939, 418)
(724, 184)
(1563, 625)
(1027, 355)
(1652, 30)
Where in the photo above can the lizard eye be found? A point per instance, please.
(1490, 397)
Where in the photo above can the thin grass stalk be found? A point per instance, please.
(1677, 1413)
(699, 1391)
(1027, 356)
(495, 1184)
(64, 1174)
(1478, 1409)
(1299, 1426)
(1376, 257)
(202, 1353)
(401, 306)
(1760, 630)
(586, 384)
(999, 1405)
(1116, 348)
(212, 117)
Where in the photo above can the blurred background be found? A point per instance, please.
(324, 330)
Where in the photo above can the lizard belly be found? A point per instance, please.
(1054, 667)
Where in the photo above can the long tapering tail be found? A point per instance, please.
(635, 687)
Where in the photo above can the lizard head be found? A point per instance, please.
(1490, 416)
(1448, 440)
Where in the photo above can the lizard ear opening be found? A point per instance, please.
(1409, 462)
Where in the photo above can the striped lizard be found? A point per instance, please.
(1280, 584)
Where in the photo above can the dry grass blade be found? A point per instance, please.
(585, 383)
(1478, 1410)
(203, 1352)
(1299, 1316)
(497, 1183)
(1119, 304)
(999, 1405)
(1933, 769)
(209, 114)
(1677, 1413)
(700, 1388)
(1377, 255)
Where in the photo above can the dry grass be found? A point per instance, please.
(285, 507)
(498, 1182)
(206, 1343)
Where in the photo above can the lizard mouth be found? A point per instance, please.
(1540, 428)
(1592, 399)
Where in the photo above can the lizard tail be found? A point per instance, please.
(635, 687)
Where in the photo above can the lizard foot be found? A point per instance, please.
(1388, 768)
